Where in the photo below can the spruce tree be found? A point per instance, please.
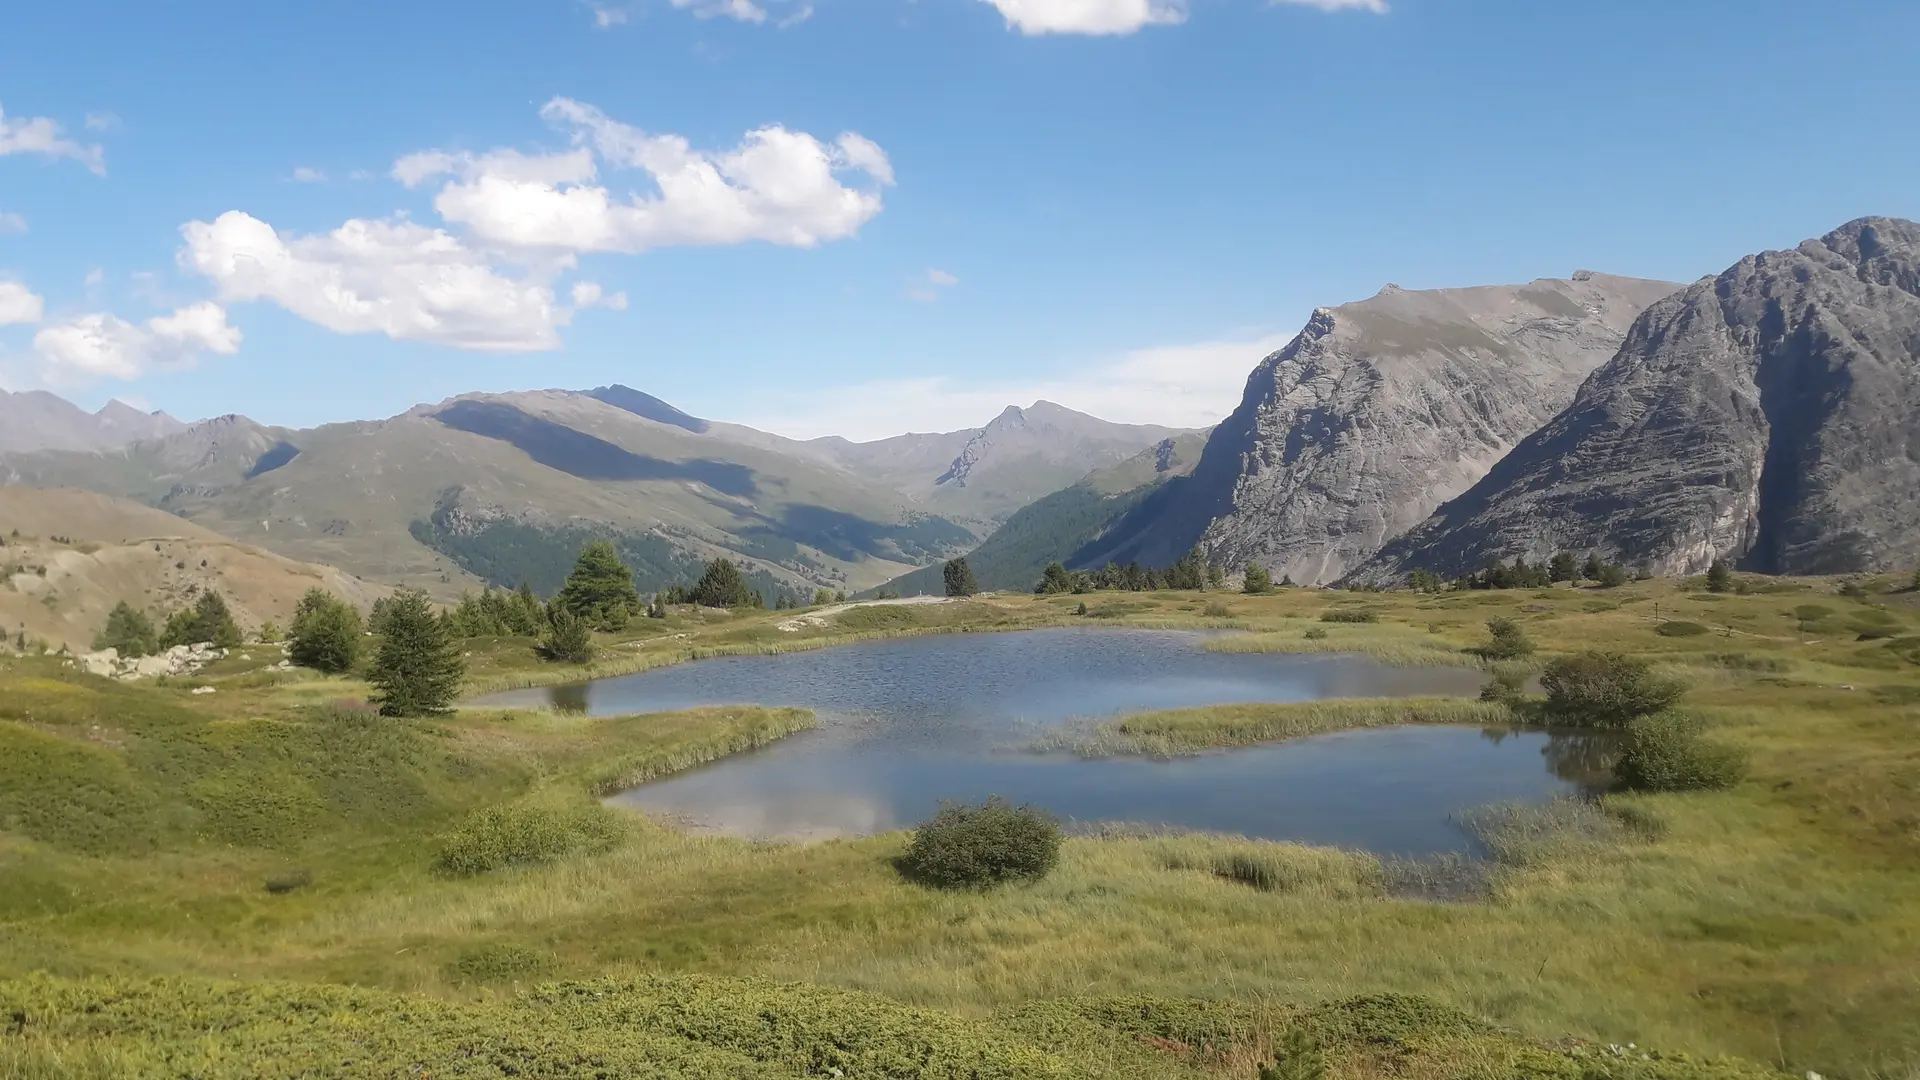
(1258, 580)
(326, 633)
(1562, 568)
(1719, 576)
(1054, 579)
(128, 631)
(417, 669)
(600, 588)
(722, 586)
(1592, 568)
(958, 577)
(208, 620)
(569, 640)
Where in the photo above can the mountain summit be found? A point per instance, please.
(1770, 415)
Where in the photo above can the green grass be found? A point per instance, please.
(1209, 727)
(1777, 921)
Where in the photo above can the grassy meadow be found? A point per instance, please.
(272, 862)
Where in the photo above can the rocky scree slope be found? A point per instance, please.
(1378, 412)
(1770, 415)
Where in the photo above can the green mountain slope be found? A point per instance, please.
(1055, 526)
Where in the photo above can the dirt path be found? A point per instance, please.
(819, 618)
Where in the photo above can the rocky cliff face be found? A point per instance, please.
(1771, 415)
(1378, 412)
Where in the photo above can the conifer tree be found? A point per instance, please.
(569, 639)
(1719, 576)
(208, 620)
(326, 633)
(417, 669)
(1258, 580)
(1590, 570)
(1054, 579)
(1562, 568)
(958, 577)
(722, 585)
(128, 631)
(600, 588)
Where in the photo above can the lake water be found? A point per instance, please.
(907, 723)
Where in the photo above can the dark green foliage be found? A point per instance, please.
(968, 847)
(958, 578)
(1425, 581)
(1590, 569)
(1604, 690)
(269, 633)
(1719, 576)
(1188, 572)
(1508, 641)
(1216, 577)
(1497, 575)
(128, 631)
(1257, 580)
(1297, 1057)
(498, 960)
(1666, 752)
(1507, 684)
(569, 640)
(1315, 634)
(417, 669)
(1082, 609)
(208, 620)
(1680, 629)
(600, 588)
(1612, 576)
(520, 835)
(326, 633)
(1563, 568)
(498, 613)
(721, 586)
(657, 608)
(1350, 616)
(1054, 580)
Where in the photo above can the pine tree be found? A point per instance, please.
(959, 578)
(417, 669)
(657, 609)
(1590, 570)
(722, 586)
(1216, 577)
(569, 640)
(1188, 572)
(1297, 1058)
(600, 588)
(208, 620)
(1258, 580)
(127, 631)
(1054, 579)
(1719, 576)
(1562, 568)
(326, 633)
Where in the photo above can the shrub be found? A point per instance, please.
(417, 670)
(1217, 610)
(569, 640)
(1315, 634)
(498, 960)
(128, 631)
(1680, 629)
(957, 576)
(326, 633)
(970, 847)
(1665, 752)
(1508, 642)
(1082, 609)
(1508, 684)
(1298, 1057)
(1257, 580)
(1350, 616)
(1612, 576)
(519, 835)
(1604, 689)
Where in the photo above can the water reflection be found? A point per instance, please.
(909, 722)
(1584, 759)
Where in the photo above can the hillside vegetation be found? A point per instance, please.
(301, 877)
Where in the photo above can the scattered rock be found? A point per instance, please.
(179, 660)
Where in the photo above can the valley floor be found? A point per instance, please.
(271, 831)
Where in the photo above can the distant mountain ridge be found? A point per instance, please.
(37, 420)
(1769, 415)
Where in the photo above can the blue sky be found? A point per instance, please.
(870, 216)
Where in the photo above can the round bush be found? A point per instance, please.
(1602, 689)
(1665, 752)
(972, 847)
(520, 835)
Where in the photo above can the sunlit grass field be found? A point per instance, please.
(272, 831)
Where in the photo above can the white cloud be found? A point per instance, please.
(11, 223)
(1378, 7)
(390, 277)
(1193, 385)
(937, 276)
(95, 276)
(308, 175)
(739, 10)
(588, 294)
(102, 121)
(40, 135)
(19, 304)
(928, 288)
(1089, 16)
(778, 186)
(604, 16)
(101, 345)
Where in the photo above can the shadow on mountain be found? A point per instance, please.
(848, 536)
(647, 407)
(277, 455)
(579, 454)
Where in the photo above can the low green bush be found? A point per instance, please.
(498, 960)
(1680, 629)
(1605, 690)
(1350, 616)
(1666, 752)
(1217, 610)
(979, 846)
(519, 835)
(1315, 634)
(1506, 641)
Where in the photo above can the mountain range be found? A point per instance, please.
(1769, 414)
